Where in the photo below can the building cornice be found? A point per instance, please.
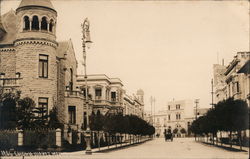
(7, 50)
(42, 41)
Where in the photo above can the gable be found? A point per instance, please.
(8, 28)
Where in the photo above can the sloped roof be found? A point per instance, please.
(62, 48)
(245, 68)
(8, 27)
(37, 3)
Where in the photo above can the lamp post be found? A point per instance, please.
(85, 41)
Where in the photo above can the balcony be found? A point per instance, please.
(101, 102)
(73, 94)
(9, 82)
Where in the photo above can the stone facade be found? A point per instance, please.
(106, 93)
(134, 105)
(33, 62)
(177, 115)
(234, 79)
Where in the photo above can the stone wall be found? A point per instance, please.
(8, 62)
(27, 63)
(78, 103)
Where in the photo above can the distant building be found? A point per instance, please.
(106, 93)
(201, 111)
(219, 82)
(134, 105)
(177, 115)
(109, 97)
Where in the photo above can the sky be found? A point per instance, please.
(166, 48)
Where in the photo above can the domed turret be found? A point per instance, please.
(36, 3)
(36, 19)
(36, 47)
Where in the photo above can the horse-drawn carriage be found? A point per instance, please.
(168, 135)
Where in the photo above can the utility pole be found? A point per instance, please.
(151, 102)
(212, 93)
(154, 109)
(196, 105)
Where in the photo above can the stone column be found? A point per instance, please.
(79, 136)
(103, 93)
(48, 26)
(58, 137)
(39, 24)
(20, 138)
(30, 24)
(70, 137)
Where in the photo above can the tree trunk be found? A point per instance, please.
(230, 139)
(220, 138)
(240, 140)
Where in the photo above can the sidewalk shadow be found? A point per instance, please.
(225, 147)
(120, 147)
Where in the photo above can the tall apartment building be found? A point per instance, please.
(233, 80)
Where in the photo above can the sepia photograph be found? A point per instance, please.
(124, 79)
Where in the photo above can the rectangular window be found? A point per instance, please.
(237, 87)
(72, 114)
(98, 92)
(113, 96)
(169, 107)
(169, 117)
(43, 106)
(178, 106)
(43, 66)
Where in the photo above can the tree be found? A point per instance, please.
(175, 131)
(183, 131)
(40, 118)
(25, 113)
(8, 102)
(53, 119)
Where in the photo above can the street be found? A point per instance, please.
(180, 148)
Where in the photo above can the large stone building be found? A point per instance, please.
(109, 96)
(134, 105)
(219, 82)
(35, 63)
(233, 80)
(106, 93)
(177, 115)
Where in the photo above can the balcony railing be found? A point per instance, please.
(9, 82)
(69, 93)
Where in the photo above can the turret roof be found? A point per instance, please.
(39, 3)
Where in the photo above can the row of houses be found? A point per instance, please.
(34, 62)
(233, 80)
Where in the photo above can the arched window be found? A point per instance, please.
(35, 23)
(44, 24)
(51, 25)
(26, 23)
